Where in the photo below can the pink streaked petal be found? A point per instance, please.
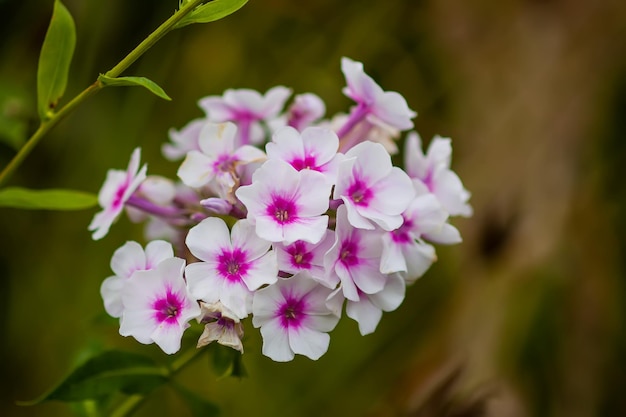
(208, 238)
(361, 87)
(244, 237)
(168, 336)
(262, 271)
(127, 259)
(276, 341)
(136, 182)
(392, 295)
(217, 138)
(311, 229)
(196, 170)
(115, 180)
(111, 292)
(157, 251)
(392, 259)
(366, 314)
(426, 214)
(308, 342)
(204, 281)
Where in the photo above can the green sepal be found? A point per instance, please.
(210, 12)
(50, 199)
(54, 60)
(226, 362)
(105, 374)
(153, 87)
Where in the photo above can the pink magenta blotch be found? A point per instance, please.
(232, 265)
(168, 308)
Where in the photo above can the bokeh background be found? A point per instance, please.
(526, 318)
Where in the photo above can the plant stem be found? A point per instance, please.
(47, 124)
(133, 402)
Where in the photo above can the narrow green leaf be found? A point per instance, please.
(134, 81)
(199, 406)
(24, 198)
(106, 374)
(209, 12)
(54, 60)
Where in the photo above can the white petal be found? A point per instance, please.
(168, 337)
(217, 138)
(196, 170)
(127, 259)
(419, 257)
(157, 251)
(311, 229)
(446, 235)
(276, 342)
(264, 270)
(392, 259)
(365, 313)
(392, 295)
(308, 342)
(111, 292)
(244, 237)
(203, 281)
(208, 238)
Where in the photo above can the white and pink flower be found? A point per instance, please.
(303, 256)
(287, 205)
(374, 191)
(354, 259)
(125, 261)
(433, 172)
(118, 187)
(158, 306)
(218, 159)
(315, 149)
(247, 108)
(293, 318)
(368, 309)
(234, 264)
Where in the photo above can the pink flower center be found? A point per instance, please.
(232, 265)
(224, 164)
(402, 234)
(283, 211)
(292, 312)
(359, 193)
(300, 258)
(118, 199)
(307, 163)
(167, 308)
(348, 253)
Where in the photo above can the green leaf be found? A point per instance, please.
(106, 374)
(134, 81)
(54, 60)
(199, 406)
(211, 11)
(24, 198)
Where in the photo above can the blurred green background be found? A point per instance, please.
(526, 318)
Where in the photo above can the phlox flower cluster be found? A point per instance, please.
(283, 215)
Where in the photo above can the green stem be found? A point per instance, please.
(133, 402)
(47, 124)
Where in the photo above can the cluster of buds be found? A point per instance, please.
(282, 215)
